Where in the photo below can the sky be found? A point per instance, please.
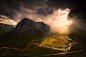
(12, 11)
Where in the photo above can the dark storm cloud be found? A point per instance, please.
(7, 7)
(78, 7)
(45, 11)
(61, 3)
(32, 4)
(38, 5)
(11, 7)
(79, 11)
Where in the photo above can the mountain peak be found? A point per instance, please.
(27, 25)
(25, 19)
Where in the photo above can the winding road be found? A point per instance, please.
(74, 42)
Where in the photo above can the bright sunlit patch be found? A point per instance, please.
(59, 21)
(69, 22)
(55, 41)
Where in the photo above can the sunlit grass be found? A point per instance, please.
(55, 41)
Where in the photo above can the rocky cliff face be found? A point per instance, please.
(27, 25)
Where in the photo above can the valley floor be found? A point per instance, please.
(36, 50)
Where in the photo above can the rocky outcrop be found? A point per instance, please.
(27, 25)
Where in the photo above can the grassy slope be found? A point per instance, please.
(32, 50)
(20, 40)
(55, 40)
(5, 29)
(78, 46)
(82, 38)
(75, 54)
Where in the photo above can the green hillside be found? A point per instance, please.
(4, 28)
(31, 44)
(20, 40)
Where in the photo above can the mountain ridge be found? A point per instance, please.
(73, 29)
(26, 31)
(29, 25)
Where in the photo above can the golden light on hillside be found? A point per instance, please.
(55, 41)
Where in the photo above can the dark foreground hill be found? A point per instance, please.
(25, 32)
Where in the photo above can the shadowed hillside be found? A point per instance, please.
(25, 32)
(5, 28)
(73, 29)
